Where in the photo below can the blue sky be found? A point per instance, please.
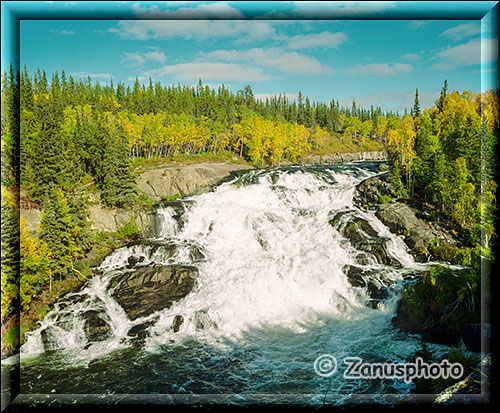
(378, 62)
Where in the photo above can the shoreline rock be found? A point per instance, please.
(338, 157)
(150, 289)
(184, 180)
(401, 219)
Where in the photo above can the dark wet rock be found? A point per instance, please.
(370, 279)
(95, 326)
(374, 190)
(165, 248)
(45, 336)
(401, 219)
(363, 237)
(203, 321)
(133, 260)
(176, 324)
(147, 290)
(139, 332)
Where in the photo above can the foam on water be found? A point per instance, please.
(270, 261)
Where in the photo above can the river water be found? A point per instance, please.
(271, 296)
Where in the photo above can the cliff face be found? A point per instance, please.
(184, 180)
(347, 157)
(156, 184)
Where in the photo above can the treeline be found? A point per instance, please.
(161, 120)
(60, 137)
(72, 129)
(446, 156)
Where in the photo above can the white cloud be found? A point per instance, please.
(465, 54)
(489, 50)
(138, 59)
(105, 76)
(382, 69)
(412, 57)
(323, 39)
(192, 29)
(208, 71)
(156, 56)
(417, 24)
(274, 57)
(135, 58)
(462, 31)
(219, 10)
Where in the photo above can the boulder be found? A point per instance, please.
(185, 180)
(177, 323)
(95, 326)
(363, 237)
(401, 219)
(150, 289)
(371, 191)
(370, 279)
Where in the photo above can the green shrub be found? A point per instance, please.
(446, 292)
(128, 231)
(384, 199)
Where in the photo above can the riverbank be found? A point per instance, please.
(269, 268)
(157, 181)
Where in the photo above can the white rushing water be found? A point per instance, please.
(272, 261)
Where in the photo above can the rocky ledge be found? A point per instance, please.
(184, 180)
(377, 193)
(150, 289)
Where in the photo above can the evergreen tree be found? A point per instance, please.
(118, 182)
(57, 230)
(10, 254)
(416, 106)
(309, 118)
(442, 96)
(300, 109)
(50, 166)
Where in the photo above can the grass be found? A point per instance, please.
(336, 144)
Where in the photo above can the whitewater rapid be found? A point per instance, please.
(271, 280)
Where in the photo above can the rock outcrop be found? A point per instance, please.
(371, 247)
(150, 289)
(185, 180)
(401, 219)
(106, 219)
(372, 191)
(337, 157)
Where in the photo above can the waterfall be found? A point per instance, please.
(272, 251)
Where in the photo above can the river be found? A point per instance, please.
(271, 295)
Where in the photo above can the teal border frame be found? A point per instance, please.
(12, 12)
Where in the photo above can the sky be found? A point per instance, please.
(320, 49)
